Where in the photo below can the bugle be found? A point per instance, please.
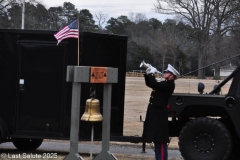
(146, 66)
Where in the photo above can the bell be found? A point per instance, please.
(86, 115)
(92, 111)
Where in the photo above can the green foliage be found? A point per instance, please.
(181, 63)
(136, 54)
(168, 23)
(193, 64)
(4, 6)
(42, 19)
(55, 19)
(155, 23)
(86, 21)
(4, 21)
(63, 15)
(118, 26)
(36, 17)
(69, 12)
(15, 16)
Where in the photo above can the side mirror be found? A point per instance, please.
(230, 102)
(201, 87)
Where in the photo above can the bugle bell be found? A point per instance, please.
(146, 66)
(92, 111)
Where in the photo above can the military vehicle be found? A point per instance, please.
(207, 124)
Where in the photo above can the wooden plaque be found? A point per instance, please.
(98, 75)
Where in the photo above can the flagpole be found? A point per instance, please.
(78, 41)
(23, 13)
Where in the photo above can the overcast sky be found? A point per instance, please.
(114, 8)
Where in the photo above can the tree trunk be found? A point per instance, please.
(217, 72)
(218, 42)
(217, 54)
(200, 62)
(163, 62)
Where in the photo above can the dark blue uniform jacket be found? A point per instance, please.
(156, 121)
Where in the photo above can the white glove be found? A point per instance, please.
(153, 70)
(148, 70)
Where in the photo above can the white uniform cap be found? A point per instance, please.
(173, 70)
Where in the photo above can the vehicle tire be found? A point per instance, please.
(205, 138)
(27, 144)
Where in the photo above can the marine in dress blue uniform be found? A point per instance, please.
(156, 122)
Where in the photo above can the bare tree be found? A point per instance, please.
(101, 20)
(198, 14)
(137, 17)
(222, 24)
(139, 29)
(173, 40)
(5, 5)
(207, 17)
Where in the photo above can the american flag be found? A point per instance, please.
(70, 31)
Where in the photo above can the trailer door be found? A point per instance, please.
(41, 88)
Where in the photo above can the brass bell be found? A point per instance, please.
(92, 111)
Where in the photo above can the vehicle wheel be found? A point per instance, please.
(205, 138)
(27, 144)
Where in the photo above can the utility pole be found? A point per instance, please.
(23, 13)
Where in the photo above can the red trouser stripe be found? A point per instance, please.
(162, 151)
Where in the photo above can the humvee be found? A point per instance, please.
(207, 124)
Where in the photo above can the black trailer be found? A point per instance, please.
(35, 99)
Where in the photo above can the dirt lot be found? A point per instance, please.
(137, 96)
